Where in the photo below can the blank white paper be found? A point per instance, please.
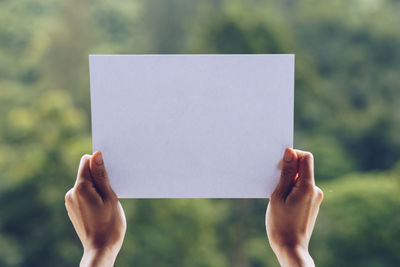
(192, 126)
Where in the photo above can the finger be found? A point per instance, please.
(306, 167)
(73, 212)
(83, 170)
(69, 196)
(87, 191)
(288, 174)
(99, 175)
(84, 187)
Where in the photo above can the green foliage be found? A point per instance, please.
(172, 233)
(359, 222)
(346, 113)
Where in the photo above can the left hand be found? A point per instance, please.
(96, 213)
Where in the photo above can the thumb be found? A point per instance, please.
(288, 174)
(99, 175)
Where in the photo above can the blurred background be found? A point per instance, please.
(347, 113)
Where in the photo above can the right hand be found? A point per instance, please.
(293, 209)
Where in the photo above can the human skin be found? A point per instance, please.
(96, 213)
(293, 209)
(99, 220)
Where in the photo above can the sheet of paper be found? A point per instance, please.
(192, 126)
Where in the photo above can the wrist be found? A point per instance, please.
(94, 257)
(294, 256)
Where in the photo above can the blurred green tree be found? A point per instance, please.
(346, 113)
(359, 222)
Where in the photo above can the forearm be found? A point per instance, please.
(98, 258)
(294, 257)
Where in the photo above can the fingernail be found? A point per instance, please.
(288, 156)
(99, 159)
